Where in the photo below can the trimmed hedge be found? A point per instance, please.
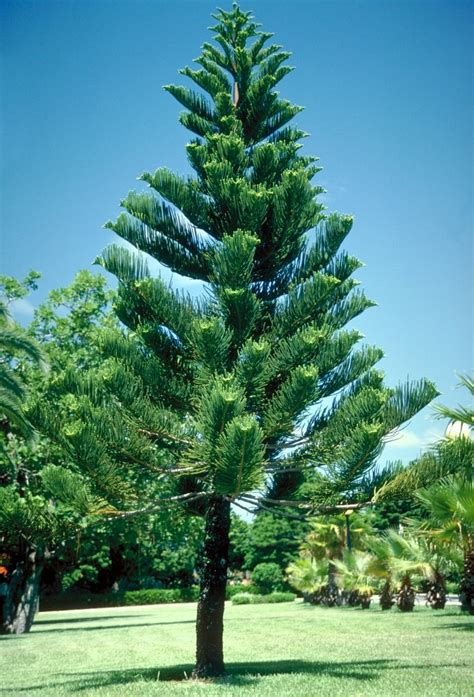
(157, 596)
(254, 599)
(150, 596)
(235, 588)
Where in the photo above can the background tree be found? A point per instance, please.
(44, 494)
(21, 512)
(272, 538)
(246, 371)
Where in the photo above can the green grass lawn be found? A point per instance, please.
(289, 649)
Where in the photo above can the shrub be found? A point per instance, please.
(235, 588)
(155, 596)
(267, 577)
(254, 599)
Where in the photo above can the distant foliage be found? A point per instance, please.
(267, 577)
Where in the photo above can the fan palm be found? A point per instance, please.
(451, 507)
(328, 539)
(430, 559)
(309, 576)
(356, 577)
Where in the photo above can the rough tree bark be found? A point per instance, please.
(19, 596)
(210, 612)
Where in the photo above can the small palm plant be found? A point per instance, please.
(309, 576)
(451, 507)
(429, 559)
(382, 568)
(401, 572)
(355, 577)
(389, 564)
(327, 541)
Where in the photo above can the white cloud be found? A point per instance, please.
(22, 308)
(405, 439)
(410, 439)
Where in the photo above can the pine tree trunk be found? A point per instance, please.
(210, 613)
(19, 596)
(466, 595)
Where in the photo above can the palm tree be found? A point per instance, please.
(428, 558)
(13, 342)
(356, 577)
(382, 567)
(309, 576)
(463, 415)
(451, 507)
(329, 538)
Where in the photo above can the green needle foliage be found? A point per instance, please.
(253, 358)
(238, 382)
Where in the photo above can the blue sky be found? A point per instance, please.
(388, 97)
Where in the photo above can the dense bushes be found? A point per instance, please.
(155, 596)
(150, 596)
(236, 588)
(267, 578)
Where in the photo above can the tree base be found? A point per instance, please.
(436, 596)
(406, 597)
(466, 595)
(20, 595)
(210, 611)
(208, 672)
(386, 597)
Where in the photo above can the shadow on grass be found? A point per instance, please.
(99, 628)
(91, 618)
(238, 674)
(463, 626)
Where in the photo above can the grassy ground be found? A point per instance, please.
(289, 649)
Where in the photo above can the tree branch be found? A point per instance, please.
(166, 436)
(275, 511)
(171, 500)
(314, 508)
(290, 444)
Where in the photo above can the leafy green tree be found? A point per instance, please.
(330, 537)
(274, 539)
(246, 370)
(239, 543)
(35, 523)
(70, 322)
